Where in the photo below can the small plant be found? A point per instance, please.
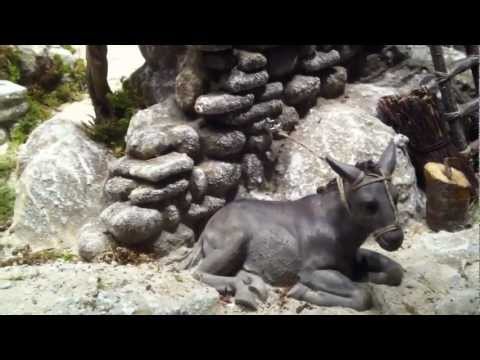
(111, 132)
(69, 48)
(10, 64)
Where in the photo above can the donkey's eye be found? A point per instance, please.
(371, 207)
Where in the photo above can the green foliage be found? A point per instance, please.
(36, 114)
(7, 192)
(69, 48)
(9, 64)
(111, 132)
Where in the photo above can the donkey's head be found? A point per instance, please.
(370, 197)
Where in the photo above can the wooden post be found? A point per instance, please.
(458, 135)
(448, 197)
(472, 50)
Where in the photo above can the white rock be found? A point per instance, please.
(13, 101)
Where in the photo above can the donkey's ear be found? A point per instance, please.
(388, 159)
(347, 172)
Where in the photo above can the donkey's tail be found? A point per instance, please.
(194, 257)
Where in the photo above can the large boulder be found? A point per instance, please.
(350, 134)
(61, 173)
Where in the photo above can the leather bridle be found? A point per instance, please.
(361, 182)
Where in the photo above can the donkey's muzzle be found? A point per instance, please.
(390, 240)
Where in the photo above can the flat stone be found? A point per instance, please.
(301, 88)
(269, 92)
(206, 209)
(239, 81)
(131, 225)
(221, 144)
(170, 241)
(198, 184)
(250, 61)
(153, 170)
(253, 171)
(118, 188)
(151, 195)
(272, 108)
(13, 101)
(221, 176)
(218, 103)
(320, 61)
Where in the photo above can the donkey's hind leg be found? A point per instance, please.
(330, 288)
(377, 268)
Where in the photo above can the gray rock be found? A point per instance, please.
(348, 134)
(459, 302)
(155, 80)
(13, 101)
(171, 218)
(153, 170)
(170, 241)
(259, 143)
(333, 83)
(269, 92)
(306, 51)
(205, 210)
(239, 81)
(184, 201)
(320, 61)
(212, 48)
(257, 112)
(145, 194)
(220, 61)
(301, 88)
(253, 171)
(61, 174)
(221, 144)
(289, 118)
(132, 225)
(261, 127)
(218, 103)
(118, 188)
(198, 184)
(160, 129)
(250, 61)
(282, 61)
(221, 176)
(93, 240)
(191, 81)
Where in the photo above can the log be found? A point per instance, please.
(448, 197)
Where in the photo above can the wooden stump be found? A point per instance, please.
(448, 197)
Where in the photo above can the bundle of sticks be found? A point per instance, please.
(417, 116)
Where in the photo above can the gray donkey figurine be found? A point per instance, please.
(311, 245)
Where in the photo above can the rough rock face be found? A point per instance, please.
(60, 186)
(191, 81)
(301, 88)
(349, 134)
(222, 144)
(170, 241)
(215, 104)
(131, 225)
(221, 176)
(93, 240)
(155, 80)
(119, 188)
(13, 101)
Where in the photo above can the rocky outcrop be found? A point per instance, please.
(61, 173)
(350, 133)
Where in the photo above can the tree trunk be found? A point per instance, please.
(448, 197)
(98, 88)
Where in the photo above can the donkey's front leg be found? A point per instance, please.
(330, 288)
(377, 268)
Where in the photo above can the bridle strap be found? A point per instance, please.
(361, 183)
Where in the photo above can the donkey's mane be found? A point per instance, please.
(366, 166)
